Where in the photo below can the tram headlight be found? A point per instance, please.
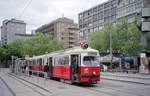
(94, 73)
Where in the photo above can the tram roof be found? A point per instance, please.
(36, 57)
(80, 50)
(74, 50)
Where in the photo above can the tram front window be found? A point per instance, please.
(90, 61)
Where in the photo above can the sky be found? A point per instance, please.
(39, 12)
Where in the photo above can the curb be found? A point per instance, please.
(127, 77)
(125, 81)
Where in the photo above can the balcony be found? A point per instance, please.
(71, 41)
(146, 12)
(145, 26)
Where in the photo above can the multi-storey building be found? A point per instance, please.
(63, 29)
(93, 19)
(13, 30)
(128, 8)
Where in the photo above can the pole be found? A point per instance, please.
(12, 64)
(110, 50)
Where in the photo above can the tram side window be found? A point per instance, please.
(66, 60)
(56, 61)
(34, 62)
(39, 61)
(30, 63)
(62, 61)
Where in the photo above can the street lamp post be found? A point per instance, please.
(110, 50)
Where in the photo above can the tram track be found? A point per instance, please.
(12, 92)
(87, 88)
(114, 89)
(104, 90)
(95, 89)
(28, 84)
(101, 89)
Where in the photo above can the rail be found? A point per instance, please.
(30, 74)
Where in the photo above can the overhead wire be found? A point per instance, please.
(25, 8)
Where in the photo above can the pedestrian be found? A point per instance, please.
(127, 67)
(46, 68)
(24, 68)
(27, 69)
(30, 71)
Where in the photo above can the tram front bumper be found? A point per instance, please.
(90, 79)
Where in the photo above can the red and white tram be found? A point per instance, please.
(74, 65)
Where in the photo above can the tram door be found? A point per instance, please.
(50, 67)
(74, 67)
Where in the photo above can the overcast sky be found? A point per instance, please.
(39, 12)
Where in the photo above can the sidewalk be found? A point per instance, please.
(130, 77)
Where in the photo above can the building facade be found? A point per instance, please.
(63, 29)
(93, 19)
(22, 36)
(128, 8)
(10, 28)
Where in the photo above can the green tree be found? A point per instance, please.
(3, 53)
(125, 38)
(41, 44)
(100, 40)
(14, 49)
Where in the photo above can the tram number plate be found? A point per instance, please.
(94, 81)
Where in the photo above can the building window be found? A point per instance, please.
(95, 9)
(81, 15)
(91, 30)
(106, 5)
(62, 38)
(62, 33)
(81, 34)
(131, 1)
(90, 24)
(95, 29)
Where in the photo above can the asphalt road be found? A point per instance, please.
(56, 88)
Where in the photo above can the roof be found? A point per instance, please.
(80, 50)
(74, 50)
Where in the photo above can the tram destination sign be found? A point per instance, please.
(92, 53)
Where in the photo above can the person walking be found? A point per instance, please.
(27, 70)
(46, 68)
(30, 71)
(127, 67)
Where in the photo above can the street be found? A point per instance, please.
(4, 91)
(37, 86)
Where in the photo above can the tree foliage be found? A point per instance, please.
(125, 38)
(37, 45)
(41, 44)
(2, 53)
